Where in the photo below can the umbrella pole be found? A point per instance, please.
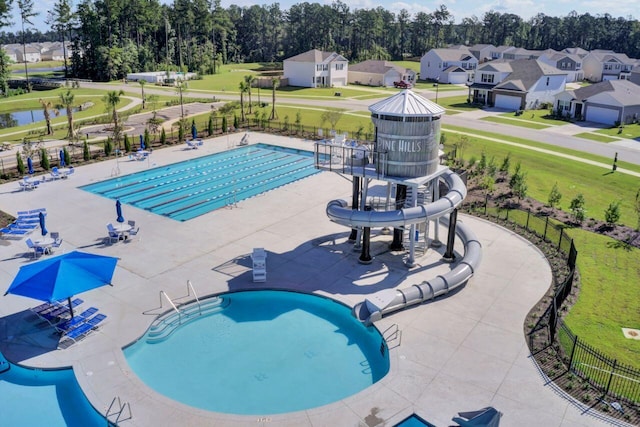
(70, 307)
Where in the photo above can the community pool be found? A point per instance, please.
(260, 352)
(188, 189)
(34, 397)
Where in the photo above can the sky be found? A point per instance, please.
(458, 8)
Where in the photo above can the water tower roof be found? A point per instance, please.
(407, 104)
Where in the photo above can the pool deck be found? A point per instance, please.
(461, 352)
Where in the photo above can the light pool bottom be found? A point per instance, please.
(266, 352)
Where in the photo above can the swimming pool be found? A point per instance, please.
(188, 189)
(33, 397)
(261, 352)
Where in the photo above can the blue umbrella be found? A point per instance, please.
(63, 276)
(194, 130)
(62, 162)
(141, 142)
(120, 218)
(29, 165)
(42, 227)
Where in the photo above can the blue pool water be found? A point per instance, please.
(185, 190)
(263, 352)
(44, 398)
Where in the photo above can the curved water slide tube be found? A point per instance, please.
(390, 300)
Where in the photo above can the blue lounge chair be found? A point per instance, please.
(58, 313)
(37, 250)
(12, 232)
(85, 328)
(70, 324)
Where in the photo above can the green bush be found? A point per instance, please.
(44, 159)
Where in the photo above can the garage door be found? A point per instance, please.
(508, 102)
(601, 115)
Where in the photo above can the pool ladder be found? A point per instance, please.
(391, 334)
(118, 409)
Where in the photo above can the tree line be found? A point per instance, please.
(111, 38)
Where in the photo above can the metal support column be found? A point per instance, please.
(449, 255)
(401, 196)
(435, 195)
(365, 255)
(355, 197)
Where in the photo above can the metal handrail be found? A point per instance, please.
(121, 407)
(189, 289)
(172, 305)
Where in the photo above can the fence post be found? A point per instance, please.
(546, 224)
(613, 370)
(528, 214)
(560, 240)
(573, 350)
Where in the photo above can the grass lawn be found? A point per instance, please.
(455, 104)
(596, 137)
(42, 64)
(538, 116)
(515, 122)
(628, 131)
(608, 298)
(543, 170)
(412, 65)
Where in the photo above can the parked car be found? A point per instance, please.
(402, 84)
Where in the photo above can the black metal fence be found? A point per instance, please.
(605, 374)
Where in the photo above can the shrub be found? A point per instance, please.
(127, 143)
(506, 163)
(612, 213)
(163, 137)
(20, 163)
(210, 129)
(554, 196)
(577, 208)
(44, 159)
(86, 154)
(108, 146)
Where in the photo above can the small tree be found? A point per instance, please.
(210, 126)
(332, 116)
(224, 124)
(506, 163)
(181, 132)
(554, 196)
(236, 122)
(108, 146)
(20, 163)
(461, 145)
(298, 121)
(127, 143)
(163, 137)
(577, 208)
(147, 138)
(482, 164)
(612, 213)
(488, 183)
(520, 187)
(86, 153)
(66, 155)
(44, 159)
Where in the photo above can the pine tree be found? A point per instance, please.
(86, 154)
(163, 137)
(20, 163)
(44, 159)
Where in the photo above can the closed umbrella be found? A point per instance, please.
(42, 226)
(62, 162)
(63, 276)
(194, 130)
(142, 142)
(120, 218)
(30, 165)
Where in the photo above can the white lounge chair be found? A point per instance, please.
(194, 144)
(259, 258)
(113, 234)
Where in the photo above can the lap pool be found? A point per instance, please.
(188, 189)
(260, 352)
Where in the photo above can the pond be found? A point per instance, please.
(19, 118)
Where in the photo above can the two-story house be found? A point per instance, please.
(315, 68)
(517, 85)
(567, 62)
(602, 65)
(482, 52)
(455, 66)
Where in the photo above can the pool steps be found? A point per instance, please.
(165, 325)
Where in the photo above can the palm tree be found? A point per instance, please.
(243, 90)
(144, 100)
(112, 99)
(275, 82)
(66, 100)
(46, 105)
(249, 79)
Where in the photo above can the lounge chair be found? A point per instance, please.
(70, 324)
(55, 174)
(59, 313)
(194, 144)
(70, 172)
(485, 417)
(84, 329)
(259, 258)
(24, 185)
(12, 232)
(37, 250)
(51, 306)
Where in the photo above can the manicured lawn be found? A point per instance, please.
(543, 170)
(455, 104)
(596, 137)
(538, 116)
(412, 65)
(42, 64)
(628, 131)
(608, 298)
(515, 122)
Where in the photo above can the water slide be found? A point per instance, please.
(390, 300)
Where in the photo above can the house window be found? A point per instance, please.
(608, 67)
(339, 67)
(486, 78)
(564, 105)
(548, 78)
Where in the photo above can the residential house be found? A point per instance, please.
(576, 51)
(499, 51)
(28, 54)
(482, 52)
(161, 77)
(517, 85)
(610, 102)
(10, 51)
(602, 65)
(635, 75)
(316, 69)
(380, 73)
(55, 51)
(570, 63)
(521, 53)
(455, 66)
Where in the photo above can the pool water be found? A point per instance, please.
(56, 395)
(188, 189)
(263, 352)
